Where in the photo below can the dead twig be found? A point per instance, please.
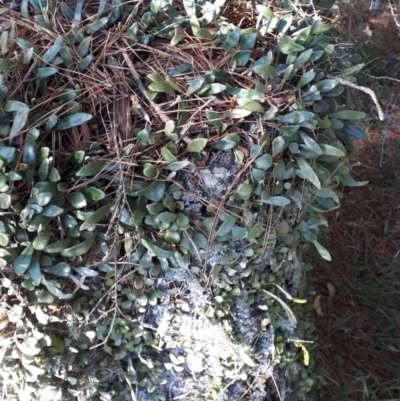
(141, 87)
(364, 89)
(387, 78)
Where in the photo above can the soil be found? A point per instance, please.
(364, 234)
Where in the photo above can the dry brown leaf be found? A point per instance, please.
(244, 151)
(317, 305)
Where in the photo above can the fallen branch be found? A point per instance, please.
(364, 89)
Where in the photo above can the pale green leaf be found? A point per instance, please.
(197, 145)
(277, 201)
(322, 251)
(289, 312)
(162, 87)
(308, 172)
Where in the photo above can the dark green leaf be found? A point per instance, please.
(84, 271)
(54, 175)
(306, 78)
(61, 269)
(311, 144)
(85, 63)
(42, 239)
(45, 72)
(308, 172)
(20, 119)
(232, 40)
(296, 117)
(312, 94)
(266, 69)
(96, 26)
(228, 142)
(78, 157)
(79, 249)
(278, 145)
(22, 262)
(52, 211)
(264, 162)
(96, 216)
(173, 237)
(73, 120)
(26, 45)
(227, 226)
(91, 169)
(7, 154)
(41, 199)
(35, 272)
(348, 115)
(51, 122)
(349, 181)
(54, 290)
(356, 132)
(287, 46)
(52, 52)
(167, 217)
(215, 120)
(83, 47)
(285, 23)
(326, 85)
(240, 58)
(94, 193)
(156, 249)
(278, 201)
(58, 246)
(246, 93)
(195, 85)
(143, 138)
(302, 59)
(270, 114)
(180, 69)
(197, 31)
(248, 41)
(302, 35)
(329, 150)
(77, 200)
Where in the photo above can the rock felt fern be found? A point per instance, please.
(162, 169)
